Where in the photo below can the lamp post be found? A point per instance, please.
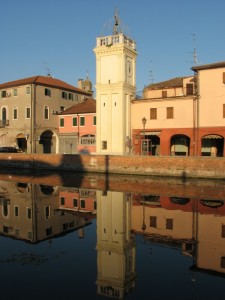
(144, 120)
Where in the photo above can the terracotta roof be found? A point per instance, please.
(87, 106)
(209, 66)
(45, 81)
(174, 82)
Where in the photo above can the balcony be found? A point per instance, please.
(4, 123)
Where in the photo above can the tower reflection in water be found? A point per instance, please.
(193, 221)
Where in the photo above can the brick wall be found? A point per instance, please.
(185, 167)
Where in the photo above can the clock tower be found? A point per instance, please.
(115, 88)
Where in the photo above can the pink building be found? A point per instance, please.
(77, 128)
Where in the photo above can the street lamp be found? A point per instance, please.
(144, 120)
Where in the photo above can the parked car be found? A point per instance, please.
(8, 150)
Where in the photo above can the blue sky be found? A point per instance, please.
(59, 36)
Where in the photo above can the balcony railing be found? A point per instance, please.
(4, 123)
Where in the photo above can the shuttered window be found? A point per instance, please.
(169, 112)
(223, 77)
(223, 110)
(153, 113)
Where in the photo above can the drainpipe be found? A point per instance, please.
(33, 118)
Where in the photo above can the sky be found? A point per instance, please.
(58, 37)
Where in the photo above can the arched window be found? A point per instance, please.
(46, 113)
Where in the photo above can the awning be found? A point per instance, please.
(212, 136)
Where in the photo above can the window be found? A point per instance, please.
(29, 213)
(28, 90)
(16, 211)
(49, 231)
(153, 113)
(15, 113)
(88, 139)
(189, 89)
(75, 202)
(70, 96)
(223, 110)
(28, 112)
(223, 231)
(164, 94)
(15, 92)
(3, 94)
(223, 77)
(47, 212)
(169, 224)
(222, 262)
(153, 222)
(104, 145)
(61, 122)
(82, 203)
(75, 121)
(62, 108)
(169, 112)
(64, 95)
(47, 92)
(94, 120)
(46, 113)
(82, 121)
(62, 199)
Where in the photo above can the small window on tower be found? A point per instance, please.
(104, 145)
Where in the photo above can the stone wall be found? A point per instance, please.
(178, 166)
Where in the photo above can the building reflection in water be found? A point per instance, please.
(36, 212)
(189, 221)
(115, 244)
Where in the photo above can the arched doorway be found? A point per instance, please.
(46, 141)
(21, 142)
(180, 145)
(212, 145)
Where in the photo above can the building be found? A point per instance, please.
(182, 116)
(77, 128)
(29, 109)
(162, 121)
(115, 87)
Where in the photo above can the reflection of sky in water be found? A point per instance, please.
(69, 270)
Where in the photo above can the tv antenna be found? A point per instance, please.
(194, 53)
(46, 68)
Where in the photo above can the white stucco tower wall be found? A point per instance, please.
(115, 88)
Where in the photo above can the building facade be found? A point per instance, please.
(29, 109)
(182, 116)
(77, 128)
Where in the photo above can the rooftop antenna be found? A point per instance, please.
(47, 68)
(194, 52)
(151, 75)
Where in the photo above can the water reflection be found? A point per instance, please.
(188, 216)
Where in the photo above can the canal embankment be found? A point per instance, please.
(163, 166)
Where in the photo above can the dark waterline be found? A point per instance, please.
(64, 264)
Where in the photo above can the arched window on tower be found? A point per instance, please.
(46, 113)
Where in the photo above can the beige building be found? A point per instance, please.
(29, 109)
(182, 116)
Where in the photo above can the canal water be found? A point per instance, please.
(90, 236)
